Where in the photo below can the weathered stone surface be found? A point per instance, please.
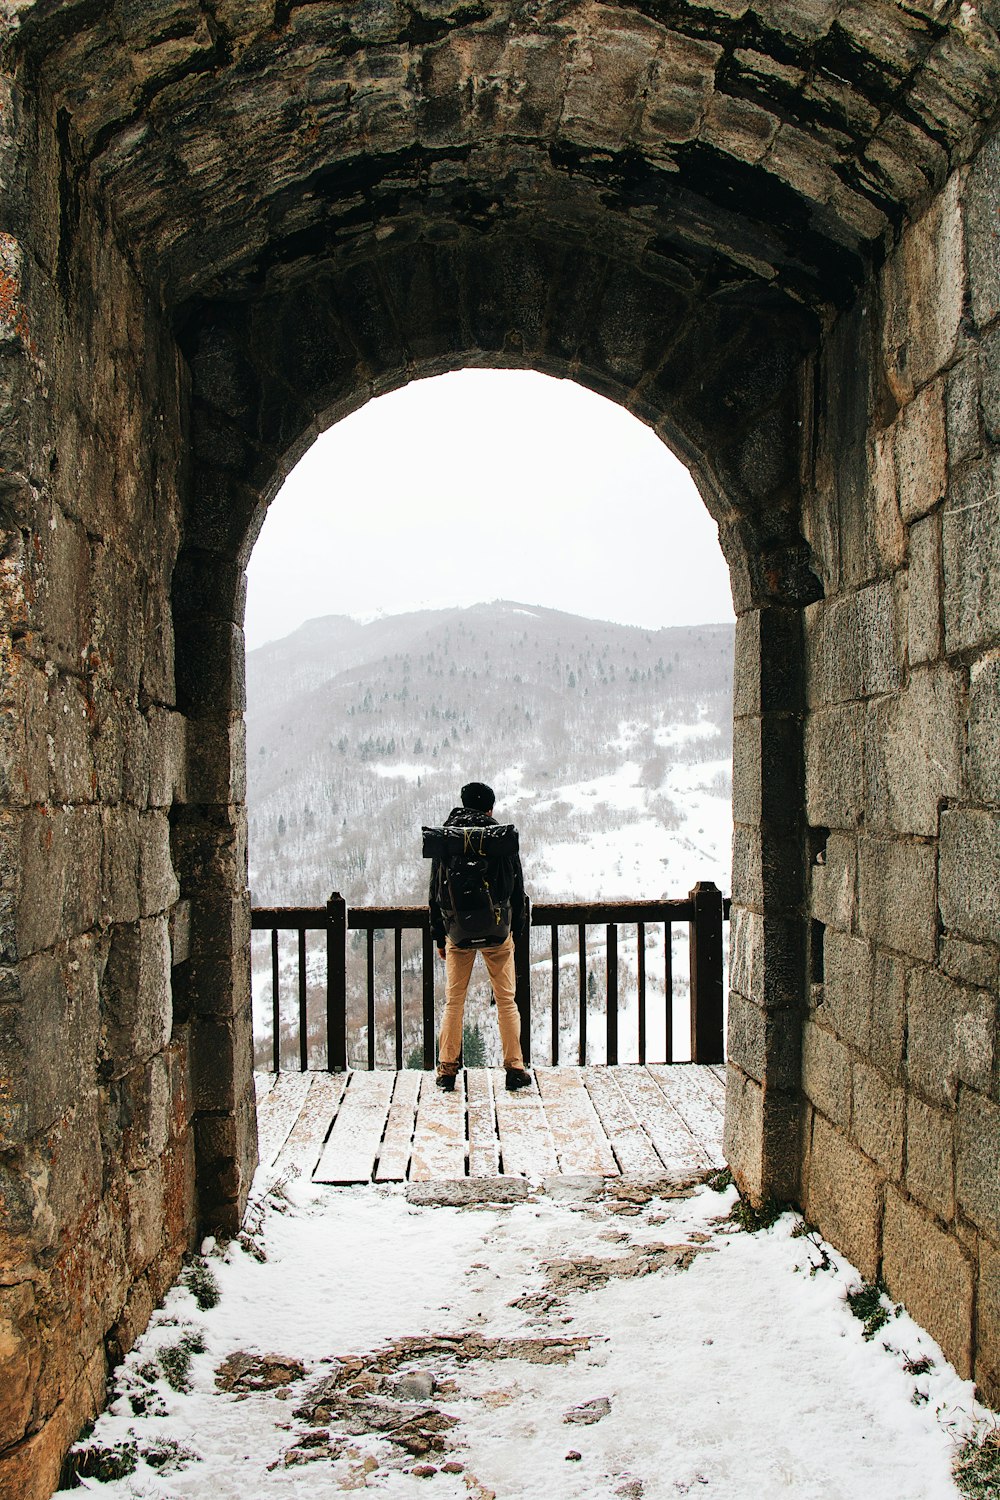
(136, 1009)
(951, 1036)
(888, 1029)
(834, 747)
(970, 873)
(922, 453)
(826, 1073)
(913, 752)
(923, 594)
(987, 1371)
(973, 963)
(962, 413)
(977, 1160)
(847, 987)
(982, 764)
(897, 896)
(971, 550)
(930, 1147)
(854, 646)
(982, 204)
(834, 883)
(927, 1270)
(925, 289)
(878, 1112)
(844, 1196)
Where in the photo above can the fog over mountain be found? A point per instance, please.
(608, 745)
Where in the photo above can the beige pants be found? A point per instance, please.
(458, 970)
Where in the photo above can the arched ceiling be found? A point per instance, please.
(240, 144)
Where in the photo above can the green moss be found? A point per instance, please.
(752, 1219)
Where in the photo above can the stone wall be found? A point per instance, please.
(901, 1146)
(96, 1169)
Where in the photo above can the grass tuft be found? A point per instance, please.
(867, 1303)
(199, 1278)
(95, 1461)
(720, 1180)
(976, 1469)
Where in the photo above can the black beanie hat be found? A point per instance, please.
(478, 796)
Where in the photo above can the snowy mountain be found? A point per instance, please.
(609, 746)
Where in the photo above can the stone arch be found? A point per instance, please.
(766, 228)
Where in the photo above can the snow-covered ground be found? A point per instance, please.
(558, 1346)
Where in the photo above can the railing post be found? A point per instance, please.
(522, 975)
(336, 983)
(707, 1041)
(428, 998)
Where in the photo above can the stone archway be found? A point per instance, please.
(769, 230)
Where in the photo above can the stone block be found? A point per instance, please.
(216, 763)
(930, 1164)
(924, 289)
(951, 1036)
(767, 673)
(971, 556)
(854, 646)
(136, 993)
(982, 756)
(888, 531)
(923, 593)
(971, 963)
(847, 987)
(878, 1118)
(982, 207)
(844, 1196)
(65, 585)
(834, 883)
(120, 864)
(922, 453)
(60, 863)
(738, 127)
(143, 1217)
(73, 777)
(970, 874)
(826, 1073)
(898, 905)
(765, 1041)
(962, 419)
(888, 1029)
(167, 757)
(987, 1370)
(766, 958)
(977, 1161)
(989, 368)
(925, 1269)
(747, 771)
(743, 1133)
(913, 752)
(834, 739)
(158, 884)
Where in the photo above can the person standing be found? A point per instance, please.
(492, 866)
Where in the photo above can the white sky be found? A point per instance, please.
(488, 484)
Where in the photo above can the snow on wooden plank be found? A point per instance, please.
(353, 1143)
(439, 1145)
(526, 1148)
(263, 1083)
(304, 1146)
(700, 1114)
(277, 1113)
(711, 1085)
(675, 1145)
(484, 1144)
(577, 1134)
(394, 1157)
(719, 1069)
(626, 1136)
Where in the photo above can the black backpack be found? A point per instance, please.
(473, 885)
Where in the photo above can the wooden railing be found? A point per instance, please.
(704, 910)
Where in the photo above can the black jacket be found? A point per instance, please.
(507, 878)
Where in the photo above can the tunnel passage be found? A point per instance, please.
(769, 230)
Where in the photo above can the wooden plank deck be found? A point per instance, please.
(396, 1127)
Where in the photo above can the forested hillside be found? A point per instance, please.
(359, 733)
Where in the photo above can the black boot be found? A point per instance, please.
(518, 1078)
(446, 1081)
